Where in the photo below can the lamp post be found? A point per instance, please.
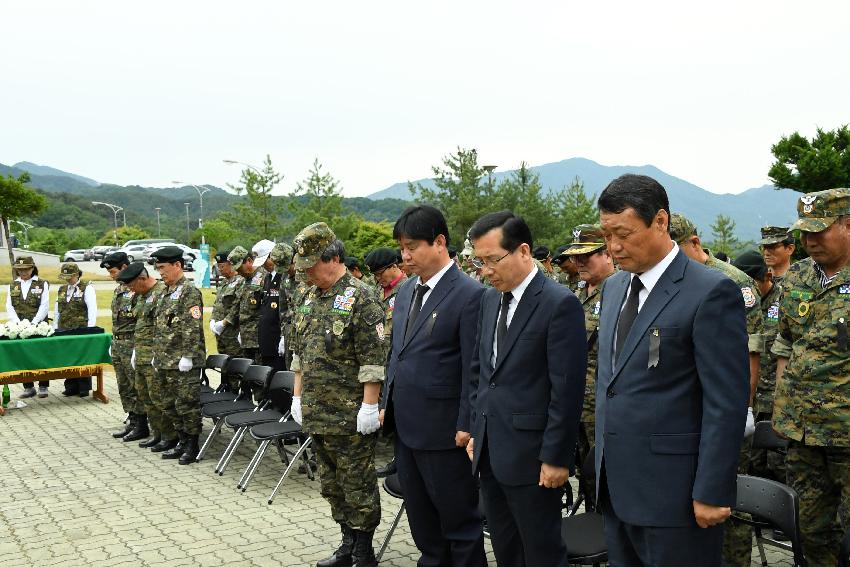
(187, 223)
(158, 228)
(489, 169)
(248, 165)
(115, 210)
(201, 199)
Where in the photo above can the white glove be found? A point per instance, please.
(218, 327)
(239, 338)
(153, 362)
(133, 360)
(295, 410)
(212, 326)
(367, 419)
(750, 428)
(185, 364)
(281, 346)
(110, 351)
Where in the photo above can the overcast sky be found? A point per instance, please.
(150, 92)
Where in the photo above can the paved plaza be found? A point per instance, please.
(74, 496)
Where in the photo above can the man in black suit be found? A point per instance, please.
(672, 389)
(426, 396)
(528, 384)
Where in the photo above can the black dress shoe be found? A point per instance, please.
(387, 470)
(128, 427)
(177, 451)
(70, 393)
(164, 445)
(84, 394)
(191, 450)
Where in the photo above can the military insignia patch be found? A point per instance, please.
(596, 308)
(195, 311)
(844, 289)
(274, 305)
(36, 291)
(576, 234)
(749, 297)
(338, 328)
(343, 303)
(149, 299)
(773, 313)
(803, 308)
(807, 201)
(380, 328)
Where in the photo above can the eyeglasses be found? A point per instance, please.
(487, 262)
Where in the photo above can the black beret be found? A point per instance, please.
(452, 251)
(541, 252)
(752, 264)
(167, 254)
(222, 256)
(557, 257)
(380, 258)
(114, 260)
(351, 262)
(130, 273)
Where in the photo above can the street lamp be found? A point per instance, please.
(489, 169)
(158, 228)
(115, 210)
(201, 198)
(248, 165)
(187, 223)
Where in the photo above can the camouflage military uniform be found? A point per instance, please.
(336, 350)
(179, 319)
(123, 328)
(73, 314)
(245, 313)
(764, 463)
(226, 297)
(389, 307)
(151, 390)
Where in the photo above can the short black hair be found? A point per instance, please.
(421, 222)
(515, 230)
(640, 192)
(335, 249)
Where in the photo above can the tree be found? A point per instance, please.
(318, 198)
(523, 194)
(572, 208)
(124, 234)
(218, 233)
(816, 165)
(258, 215)
(459, 193)
(368, 236)
(17, 201)
(723, 230)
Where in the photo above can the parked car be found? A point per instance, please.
(188, 253)
(78, 255)
(98, 252)
(135, 252)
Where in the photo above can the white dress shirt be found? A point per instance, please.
(89, 297)
(43, 306)
(432, 281)
(650, 277)
(516, 296)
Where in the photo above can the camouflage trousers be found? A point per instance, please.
(586, 440)
(768, 464)
(349, 484)
(738, 537)
(160, 400)
(821, 477)
(144, 386)
(125, 376)
(183, 391)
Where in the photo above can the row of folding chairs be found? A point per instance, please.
(259, 407)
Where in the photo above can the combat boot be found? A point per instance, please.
(152, 442)
(139, 431)
(190, 451)
(363, 554)
(342, 556)
(128, 427)
(164, 445)
(178, 449)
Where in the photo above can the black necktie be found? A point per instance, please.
(628, 314)
(502, 327)
(421, 290)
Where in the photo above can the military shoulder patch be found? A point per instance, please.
(801, 294)
(196, 312)
(844, 289)
(380, 328)
(749, 297)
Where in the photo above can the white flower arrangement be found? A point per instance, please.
(24, 329)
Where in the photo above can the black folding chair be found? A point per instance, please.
(255, 377)
(582, 532)
(772, 503)
(216, 362)
(235, 367)
(392, 486)
(280, 398)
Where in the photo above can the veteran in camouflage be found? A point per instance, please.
(382, 263)
(812, 400)
(225, 299)
(777, 245)
(339, 354)
(123, 325)
(244, 314)
(179, 352)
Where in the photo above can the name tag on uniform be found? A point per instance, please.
(176, 295)
(844, 289)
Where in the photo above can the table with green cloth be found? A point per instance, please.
(54, 358)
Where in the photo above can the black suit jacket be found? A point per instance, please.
(528, 406)
(426, 395)
(670, 414)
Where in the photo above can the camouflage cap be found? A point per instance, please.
(310, 244)
(773, 234)
(237, 256)
(587, 239)
(817, 211)
(24, 262)
(69, 270)
(281, 254)
(681, 228)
